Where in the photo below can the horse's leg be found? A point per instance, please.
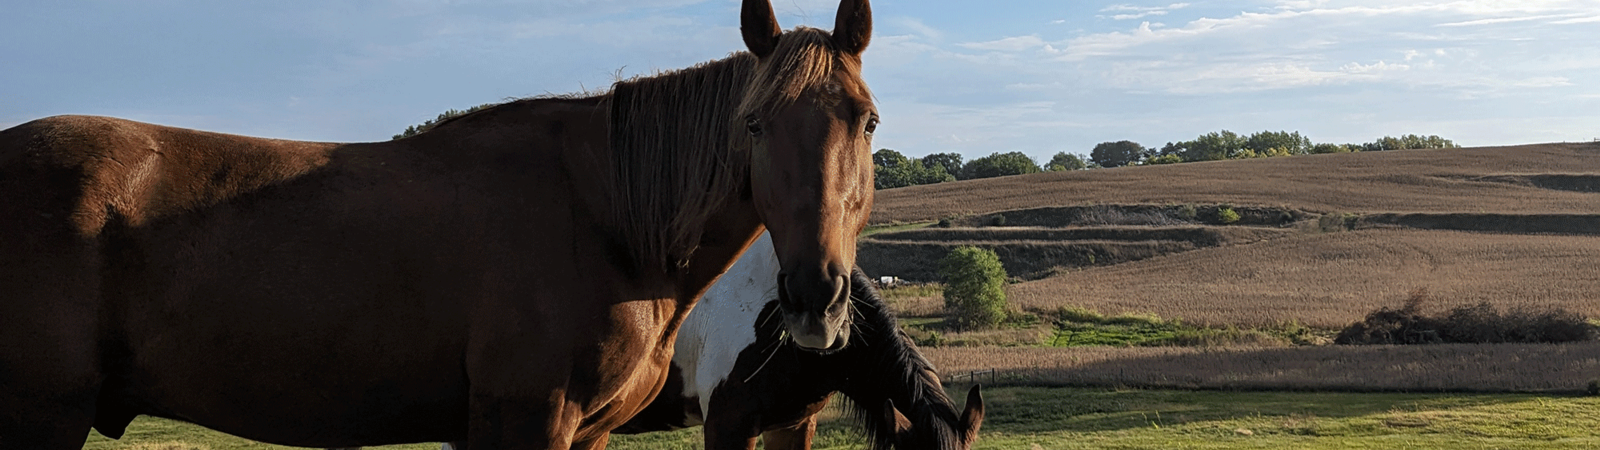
(518, 423)
(49, 368)
(797, 437)
(598, 443)
(731, 432)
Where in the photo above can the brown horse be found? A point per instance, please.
(513, 278)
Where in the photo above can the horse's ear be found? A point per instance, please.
(852, 28)
(893, 416)
(759, 27)
(972, 418)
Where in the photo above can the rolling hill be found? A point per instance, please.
(1320, 240)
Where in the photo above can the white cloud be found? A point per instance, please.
(1377, 67)
(1010, 44)
(916, 25)
(1130, 12)
(1497, 20)
(1589, 19)
(1138, 15)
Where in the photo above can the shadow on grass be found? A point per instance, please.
(1024, 410)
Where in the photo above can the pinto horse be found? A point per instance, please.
(734, 373)
(512, 278)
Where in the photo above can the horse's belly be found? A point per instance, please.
(316, 392)
(274, 349)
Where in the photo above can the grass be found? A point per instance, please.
(1075, 418)
(884, 228)
(1548, 368)
(1075, 327)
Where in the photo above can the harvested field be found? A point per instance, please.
(1525, 179)
(1556, 368)
(1035, 252)
(919, 261)
(1329, 280)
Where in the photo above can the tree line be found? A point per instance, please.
(896, 170)
(1221, 145)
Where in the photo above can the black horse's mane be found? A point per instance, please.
(891, 367)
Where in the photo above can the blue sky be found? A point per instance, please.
(970, 77)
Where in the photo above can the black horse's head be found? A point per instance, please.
(896, 393)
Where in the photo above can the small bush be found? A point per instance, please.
(1187, 212)
(1226, 215)
(1337, 222)
(1476, 324)
(974, 293)
(1594, 386)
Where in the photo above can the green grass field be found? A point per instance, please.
(1069, 418)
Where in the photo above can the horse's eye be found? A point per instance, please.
(872, 124)
(754, 126)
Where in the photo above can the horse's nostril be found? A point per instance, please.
(784, 296)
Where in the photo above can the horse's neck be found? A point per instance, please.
(674, 165)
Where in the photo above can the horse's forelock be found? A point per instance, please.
(804, 58)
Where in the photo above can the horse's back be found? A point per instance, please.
(96, 169)
(142, 260)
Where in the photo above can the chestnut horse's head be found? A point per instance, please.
(810, 118)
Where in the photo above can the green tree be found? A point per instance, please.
(893, 170)
(1277, 143)
(1163, 159)
(1334, 148)
(1213, 146)
(998, 165)
(413, 130)
(1408, 142)
(1065, 161)
(889, 159)
(974, 292)
(950, 162)
(1118, 154)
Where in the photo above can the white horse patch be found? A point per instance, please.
(722, 324)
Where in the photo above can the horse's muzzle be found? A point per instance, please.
(816, 315)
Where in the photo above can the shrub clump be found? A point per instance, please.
(1594, 386)
(974, 293)
(1475, 324)
(1226, 215)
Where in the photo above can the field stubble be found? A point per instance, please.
(1330, 280)
(1538, 178)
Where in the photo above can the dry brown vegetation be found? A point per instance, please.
(1447, 367)
(1511, 226)
(1330, 280)
(1526, 179)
